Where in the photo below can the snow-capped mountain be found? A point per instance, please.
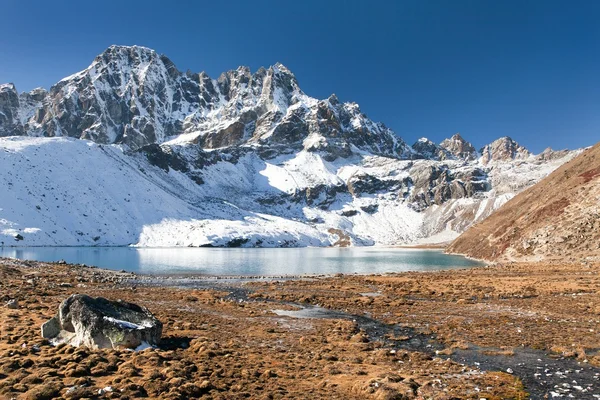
(134, 96)
(171, 158)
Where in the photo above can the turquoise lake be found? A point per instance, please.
(247, 262)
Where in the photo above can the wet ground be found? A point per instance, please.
(541, 374)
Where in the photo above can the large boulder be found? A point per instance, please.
(102, 323)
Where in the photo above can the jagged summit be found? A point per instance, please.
(459, 147)
(127, 50)
(134, 96)
(503, 149)
(7, 86)
(425, 148)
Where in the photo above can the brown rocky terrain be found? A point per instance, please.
(476, 333)
(558, 218)
(219, 345)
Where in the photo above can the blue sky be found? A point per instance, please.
(526, 69)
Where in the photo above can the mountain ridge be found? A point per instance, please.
(133, 95)
(251, 143)
(195, 96)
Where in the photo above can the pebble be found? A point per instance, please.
(107, 389)
(12, 304)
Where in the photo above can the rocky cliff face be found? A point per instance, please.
(9, 111)
(247, 155)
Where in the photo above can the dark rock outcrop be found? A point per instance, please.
(425, 148)
(359, 184)
(436, 184)
(9, 111)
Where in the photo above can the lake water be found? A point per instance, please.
(238, 261)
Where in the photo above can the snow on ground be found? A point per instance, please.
(62, 191)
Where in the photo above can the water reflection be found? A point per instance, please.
(361, 260)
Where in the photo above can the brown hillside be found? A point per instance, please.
(558, 218)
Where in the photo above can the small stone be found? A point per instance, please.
(269, 374)
(204, 385)
(19, 387)
(107, 389)
(509, 370)
(359, 338)
(12, 304)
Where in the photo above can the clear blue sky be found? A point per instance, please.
(526, 69)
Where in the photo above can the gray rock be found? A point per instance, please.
(102, 323)
(359, 184)
(9, 111)
(51, 328)
(12, 304)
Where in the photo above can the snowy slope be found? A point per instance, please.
(62, 191)
(74, 192)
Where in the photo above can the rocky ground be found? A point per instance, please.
(506, 331)
(558, 218)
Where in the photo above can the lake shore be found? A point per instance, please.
(445, 334)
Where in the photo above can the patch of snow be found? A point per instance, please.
(126, 324)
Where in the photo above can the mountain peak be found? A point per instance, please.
(425, 148)
(6, 87)
(279, 67)
(130, 56)
(132, 95)
(459, 147)
(123, 49)
(333, 100)
(503, 149)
